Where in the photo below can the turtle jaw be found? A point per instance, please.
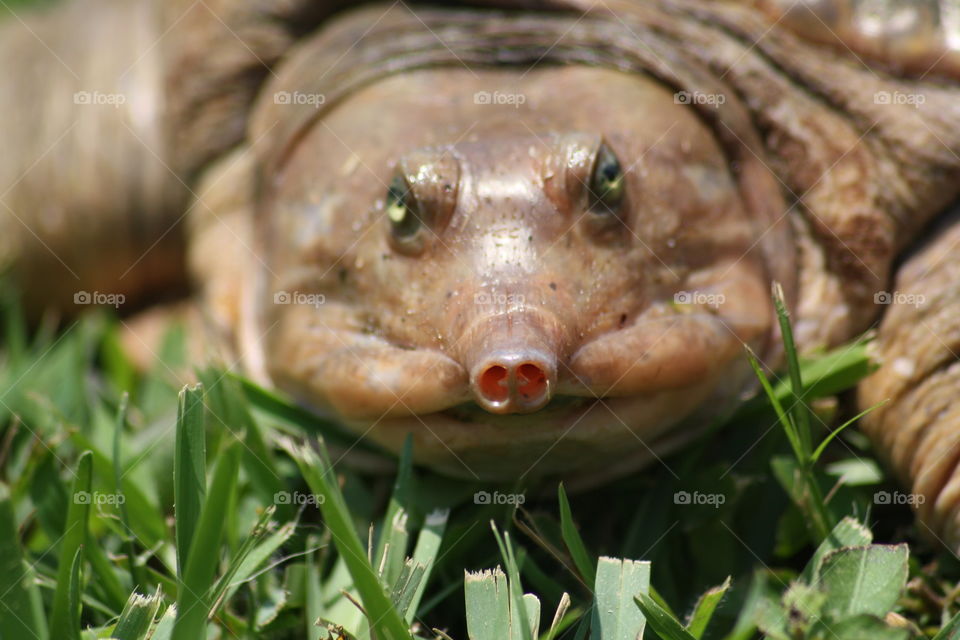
(586, 439)
(621, 400)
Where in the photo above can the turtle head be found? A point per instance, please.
(503, 279)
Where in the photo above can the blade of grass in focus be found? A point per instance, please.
(193, 596)
(74, 536)
(315, 467)
(189, 470)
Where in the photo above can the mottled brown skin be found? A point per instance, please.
(799, 176)
(919, 37)
(918, 430)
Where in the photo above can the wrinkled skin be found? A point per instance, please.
(918, 36)
(511, 266)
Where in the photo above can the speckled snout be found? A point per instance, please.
(511, 359)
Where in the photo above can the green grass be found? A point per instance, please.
(207, 513)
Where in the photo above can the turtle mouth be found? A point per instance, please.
(668, 352)
(576, 437)
(472, 412)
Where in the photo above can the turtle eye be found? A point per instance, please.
(606, 183)
(401, 206)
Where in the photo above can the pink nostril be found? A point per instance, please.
(493, 383)
(503, 387)
(512, 361)
(531, 381)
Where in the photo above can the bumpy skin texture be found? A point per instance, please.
(802, 174)
(918, 430)
(918, 37)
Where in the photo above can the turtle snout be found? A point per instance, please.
(512, 361)
(514, 381)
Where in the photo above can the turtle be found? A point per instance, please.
(532, 236)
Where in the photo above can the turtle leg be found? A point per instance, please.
(222, 263)
(87, 200)
(225, 261)
(222, 266)
(111, 110)
(918, 346)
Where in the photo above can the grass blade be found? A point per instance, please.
(252, 555)
(833, 434)
(833, 372)
(193, 601)
(785, 420)
(586, 566)
(137, 616)
(425, 553)
(950, 631)
(385, 620)
(73, 598)
(229, 580)
(18, 617)
(229, 408)
(799, 409)
(664, 624)
(559, 617)
(397, 533)
(615, 615)
(531, 609)
(488, 605)
(400, 500)
(861, 580)
(189, 471)
(312, 594)
(164, 630)
(847, 533)
(74, 536)
(104, 577)
(521, 625)
(406, 585)
(703, 610)
(135, 573)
